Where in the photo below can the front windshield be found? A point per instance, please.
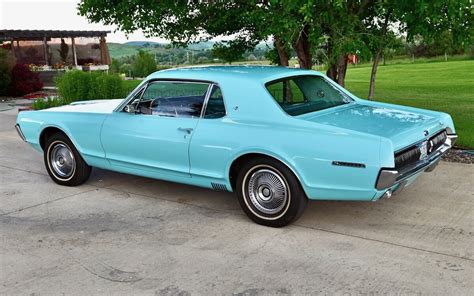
(304, 94)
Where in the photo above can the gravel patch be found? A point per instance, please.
(459, 155)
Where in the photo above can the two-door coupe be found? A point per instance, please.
(276, 136)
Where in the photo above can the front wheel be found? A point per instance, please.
(63, 162)
(269, 193)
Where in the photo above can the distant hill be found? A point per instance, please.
(130, 48)
(143, 43)
(164, 52)
(201, 45)
(118, 50)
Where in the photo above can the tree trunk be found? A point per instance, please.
(378, 55)
(302, 47)
(288, 94)
(332, 71)
(282, 54)
(341, 69)
(373, 74)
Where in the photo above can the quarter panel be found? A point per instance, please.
(309, 151)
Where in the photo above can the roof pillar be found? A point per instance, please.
(74, 54)
(45, 49)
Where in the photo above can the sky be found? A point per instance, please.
(56, 15)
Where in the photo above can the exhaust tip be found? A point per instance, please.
(387, 194)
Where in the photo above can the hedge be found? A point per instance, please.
(80, 86)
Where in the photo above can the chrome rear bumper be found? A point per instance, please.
(20, 133)
(390, 177)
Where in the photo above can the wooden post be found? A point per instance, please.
(101, 45)
(74, 54)
(45, 48)
(104, 52)
(13, 48)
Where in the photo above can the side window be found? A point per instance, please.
(276, 89)
(173, 99)
(215, 105)
(286, 92)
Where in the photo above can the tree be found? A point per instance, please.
(143, 65)
(227, 51)
(126, 69)
(385, 18)
(299, 25)
(115, 66)
(378, 34)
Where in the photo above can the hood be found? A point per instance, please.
(96, 106)
(402, 127)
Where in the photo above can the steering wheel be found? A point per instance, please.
(159, 101)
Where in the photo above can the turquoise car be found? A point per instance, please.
(276, 136)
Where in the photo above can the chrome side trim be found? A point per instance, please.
(206, 99)
(349, 164)
(390, 177)
(20, 133)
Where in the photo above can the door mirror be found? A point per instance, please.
(130, 109)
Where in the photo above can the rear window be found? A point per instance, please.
(304, 94)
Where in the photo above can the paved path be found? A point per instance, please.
(124, 235)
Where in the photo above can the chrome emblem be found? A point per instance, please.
(423, 150)
(426, 133)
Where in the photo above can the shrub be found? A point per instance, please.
(81, 86)
(48, 103)
(23, 81)
(4, 79)
(7, 61)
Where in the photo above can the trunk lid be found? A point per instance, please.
(402, 127)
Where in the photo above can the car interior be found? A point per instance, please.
(176, 102)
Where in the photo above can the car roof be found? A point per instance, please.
(219, 73)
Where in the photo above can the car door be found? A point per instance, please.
(214, 139)
(154, 129)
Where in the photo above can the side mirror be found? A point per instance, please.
(130, 109)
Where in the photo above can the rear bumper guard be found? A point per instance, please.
(389, 177)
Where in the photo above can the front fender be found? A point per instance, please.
(83, 132)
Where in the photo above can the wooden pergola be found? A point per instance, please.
(46, 35)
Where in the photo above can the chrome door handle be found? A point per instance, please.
(187, 130)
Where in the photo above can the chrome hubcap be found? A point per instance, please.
(267, 191)
(62, 161)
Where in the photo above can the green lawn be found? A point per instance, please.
(441, 86)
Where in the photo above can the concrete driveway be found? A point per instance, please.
(124, 235)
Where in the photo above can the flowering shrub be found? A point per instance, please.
(23, 81)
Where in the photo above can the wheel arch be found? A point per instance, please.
(239, 160)
(48, 131)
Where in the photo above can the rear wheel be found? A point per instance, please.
(63, 162)
(269, 193)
